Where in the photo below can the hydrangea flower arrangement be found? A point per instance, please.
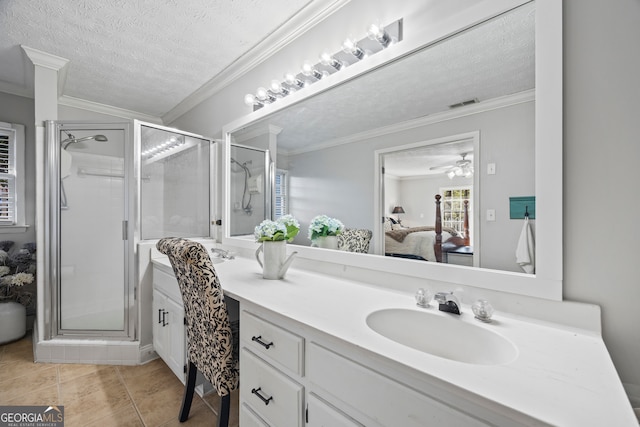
(322, 225)
(284, 228)
(17, 271)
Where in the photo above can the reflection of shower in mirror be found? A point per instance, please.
(246, 193)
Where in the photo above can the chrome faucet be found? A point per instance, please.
(448, 302)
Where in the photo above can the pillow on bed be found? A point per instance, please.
(386, 222)
(397, 227)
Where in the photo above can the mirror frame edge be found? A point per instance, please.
(547, 282)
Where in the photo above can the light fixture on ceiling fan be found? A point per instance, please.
(462, 167)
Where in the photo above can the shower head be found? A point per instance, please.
(72, 139)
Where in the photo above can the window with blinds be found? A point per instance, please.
(7, 176)
(281, 198)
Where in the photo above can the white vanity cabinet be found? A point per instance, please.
(292, 375)
(169, 339)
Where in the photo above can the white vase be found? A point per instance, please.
(13, 321)
(327, 242)
(275, 263)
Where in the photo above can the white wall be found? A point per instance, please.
(601, 152)
(601, 69)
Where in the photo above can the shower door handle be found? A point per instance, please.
(125, 227)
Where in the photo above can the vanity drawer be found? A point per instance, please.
(372, 394)
(278, 344)
(167, 284)
(248, 418)
(322, 414)
(271, 394)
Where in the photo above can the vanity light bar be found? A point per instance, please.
(377, 39)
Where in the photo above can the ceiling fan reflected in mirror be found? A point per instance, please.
(462, 167)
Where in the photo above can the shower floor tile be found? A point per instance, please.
(102, 395)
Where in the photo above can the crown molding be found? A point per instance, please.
(16, 90)
(44, 59)
(47, 60)
(96, 107)
(311, 15)
(481, 107)
(259, 131)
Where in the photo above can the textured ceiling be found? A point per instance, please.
(142, 55)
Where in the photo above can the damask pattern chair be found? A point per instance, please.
(355, 240)
(212, 340)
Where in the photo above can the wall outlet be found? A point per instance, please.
(491, 214)
(491, 169)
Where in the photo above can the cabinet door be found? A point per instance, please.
(371, 394)
(176, 351)
(322, 414)
(159, 332)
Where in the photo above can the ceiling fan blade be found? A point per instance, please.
(441, 167)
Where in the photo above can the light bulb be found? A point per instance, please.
(276, 87)
(377, 32)
(309, 70)
(327, 59)
(451, 174)
(292, 80)
(351, 46)
(249, 99)
(262, 94)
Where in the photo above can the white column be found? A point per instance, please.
(49, 77)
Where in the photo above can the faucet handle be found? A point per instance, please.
(482, 310)
(423, 297)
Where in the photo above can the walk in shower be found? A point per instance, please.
(89, 210)
(109, 187)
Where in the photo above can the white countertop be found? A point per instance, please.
(561, 376)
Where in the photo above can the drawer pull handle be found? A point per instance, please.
(160, 315)
(258, 339)
(164, 322)
(256, 391)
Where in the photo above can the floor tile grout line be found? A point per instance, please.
(130, 395)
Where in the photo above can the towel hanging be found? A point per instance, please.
(526, 249)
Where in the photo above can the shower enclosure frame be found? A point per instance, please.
(52, 250)
(270, 170)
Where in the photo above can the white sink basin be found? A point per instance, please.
(447, 336)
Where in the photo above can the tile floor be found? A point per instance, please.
(102, 395)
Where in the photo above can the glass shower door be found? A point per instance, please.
(93, 287)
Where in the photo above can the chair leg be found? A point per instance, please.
(223, 412)
(189, 388)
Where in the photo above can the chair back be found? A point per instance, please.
(355, 240)
(210, 341)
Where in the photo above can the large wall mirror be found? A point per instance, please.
(474, 116)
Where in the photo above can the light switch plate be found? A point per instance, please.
(491, 169)
(491, 214)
